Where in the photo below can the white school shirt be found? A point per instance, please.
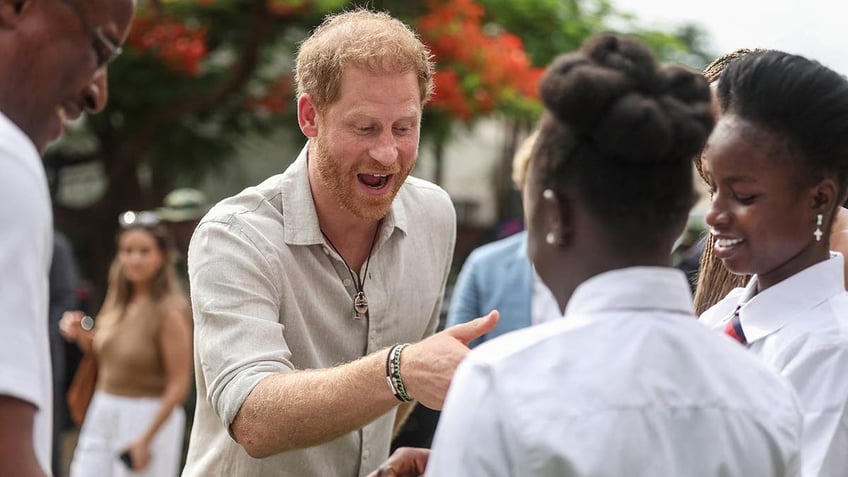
(543, 304)
(799, 327)
(628, 384)
(26, 248)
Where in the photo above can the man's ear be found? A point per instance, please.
(11, 12)
(307, 116)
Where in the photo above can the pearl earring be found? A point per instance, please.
(818, 233)
(550, 238)
(548, 194)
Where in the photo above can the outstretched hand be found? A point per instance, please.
(427, 367)
(404, 462)
(70, 325)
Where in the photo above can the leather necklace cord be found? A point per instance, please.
(358, 285)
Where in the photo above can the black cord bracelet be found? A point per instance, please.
(393, 377)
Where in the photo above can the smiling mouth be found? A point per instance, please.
(725, 248)
(727, 243)
(374, 181)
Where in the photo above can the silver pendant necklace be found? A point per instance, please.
(360, 301)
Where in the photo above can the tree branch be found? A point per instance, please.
(243, 69)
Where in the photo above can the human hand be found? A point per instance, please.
(404, 462)
(139, 452)
(427, 367)
(70, 326)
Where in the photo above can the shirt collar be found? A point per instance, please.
(633, 288)
(299, 212)
(762, 314)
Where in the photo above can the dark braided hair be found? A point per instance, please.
(714, 279)
(713, 71)
(621, 132)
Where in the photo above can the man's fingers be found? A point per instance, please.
(466, 332)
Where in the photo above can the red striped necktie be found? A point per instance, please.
(734, 328)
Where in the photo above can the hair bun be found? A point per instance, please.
(683, 84)
(623, 54)
(636, 127)
(612, 93)
(579, 92)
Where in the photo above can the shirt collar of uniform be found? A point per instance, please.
(299, 212)
(761, 314)
(633, 288)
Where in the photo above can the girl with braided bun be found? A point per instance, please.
(777, 166)
(628, 382)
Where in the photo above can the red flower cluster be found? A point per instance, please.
(449, 95)
(477, 72)
(276, 99)
(179, 46)
(284, 8)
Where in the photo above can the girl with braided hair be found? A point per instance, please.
(777, 166)
(715, 281)
(628, 382)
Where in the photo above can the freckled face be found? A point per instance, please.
(367, 141)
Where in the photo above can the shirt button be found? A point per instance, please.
(347, 282)
(365, 454)
(326, 251)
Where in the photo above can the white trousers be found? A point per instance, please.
(112, 424)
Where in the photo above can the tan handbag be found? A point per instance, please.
(82, 388)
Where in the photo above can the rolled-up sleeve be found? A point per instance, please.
(235, 303)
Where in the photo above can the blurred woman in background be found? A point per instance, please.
(142, 342)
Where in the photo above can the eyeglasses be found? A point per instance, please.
(144, 218)
(104, 47)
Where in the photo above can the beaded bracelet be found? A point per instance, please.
(393, 377)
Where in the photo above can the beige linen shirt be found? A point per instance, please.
(270, 296)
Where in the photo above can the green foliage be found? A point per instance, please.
(551, 27)
(184, 115)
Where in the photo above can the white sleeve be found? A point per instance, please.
(473, 437)
(25, 250)
(235, 304)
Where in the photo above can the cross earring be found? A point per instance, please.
(818, 233)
